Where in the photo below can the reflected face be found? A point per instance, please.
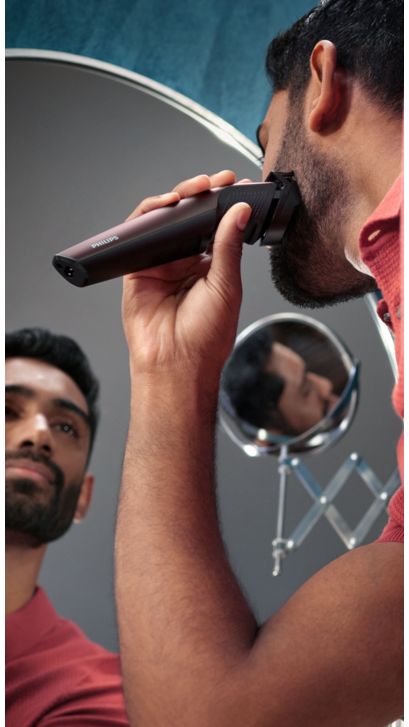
(306, 397)
(47, 444)
(309, 267)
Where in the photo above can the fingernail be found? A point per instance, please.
(243, 217)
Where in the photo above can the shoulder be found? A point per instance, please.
(65, 674)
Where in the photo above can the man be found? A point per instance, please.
(270, 387)
(54, 675)
(192, 653)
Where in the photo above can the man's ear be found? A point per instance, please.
(84, 498)
(327, 103)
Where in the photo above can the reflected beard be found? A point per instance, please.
(309, 267)
(43, 522)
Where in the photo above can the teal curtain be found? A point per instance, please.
(210, 50)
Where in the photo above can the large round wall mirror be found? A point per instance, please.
(85, 142)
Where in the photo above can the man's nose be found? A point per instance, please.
(36, 435)
(322, 384)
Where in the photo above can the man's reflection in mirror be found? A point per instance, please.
(270, 386)
(54, 673)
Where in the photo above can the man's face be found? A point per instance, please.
(309, 267)
(306, 397)
(47, 443)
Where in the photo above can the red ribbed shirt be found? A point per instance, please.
(381, 244)
(55, 676)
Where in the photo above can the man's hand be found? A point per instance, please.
(186, 312)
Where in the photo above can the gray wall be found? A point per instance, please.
(82, 149)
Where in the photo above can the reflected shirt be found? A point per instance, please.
(381, 245)
(56, 676)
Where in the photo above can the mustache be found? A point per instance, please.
(55, 470)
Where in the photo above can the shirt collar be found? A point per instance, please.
(28, 625)
(384, 216)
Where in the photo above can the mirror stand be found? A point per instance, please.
(280, 544)
(323, 502)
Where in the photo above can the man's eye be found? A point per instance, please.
(67, 428)
(10, 413)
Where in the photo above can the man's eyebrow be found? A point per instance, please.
(19, 389)
(258, 130)
(60, 403)
(70, 406)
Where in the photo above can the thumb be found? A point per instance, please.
(224, 272)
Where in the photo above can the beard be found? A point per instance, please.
(42, 522)
(309, 267)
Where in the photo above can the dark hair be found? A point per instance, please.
(254, 393)
(63, 353)
(368, 35)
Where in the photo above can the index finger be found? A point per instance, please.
(154, 203)
(203, 182)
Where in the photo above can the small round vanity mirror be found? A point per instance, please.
(289, 382)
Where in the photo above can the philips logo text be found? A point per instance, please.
(105, 241)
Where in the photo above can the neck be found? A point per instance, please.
(23, 563)
(376, 162)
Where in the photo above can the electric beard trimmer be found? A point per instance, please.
(181, 230)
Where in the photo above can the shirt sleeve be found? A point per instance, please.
(394, 528)
(97, 711)
(92, 696)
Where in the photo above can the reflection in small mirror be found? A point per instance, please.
(287, 378)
